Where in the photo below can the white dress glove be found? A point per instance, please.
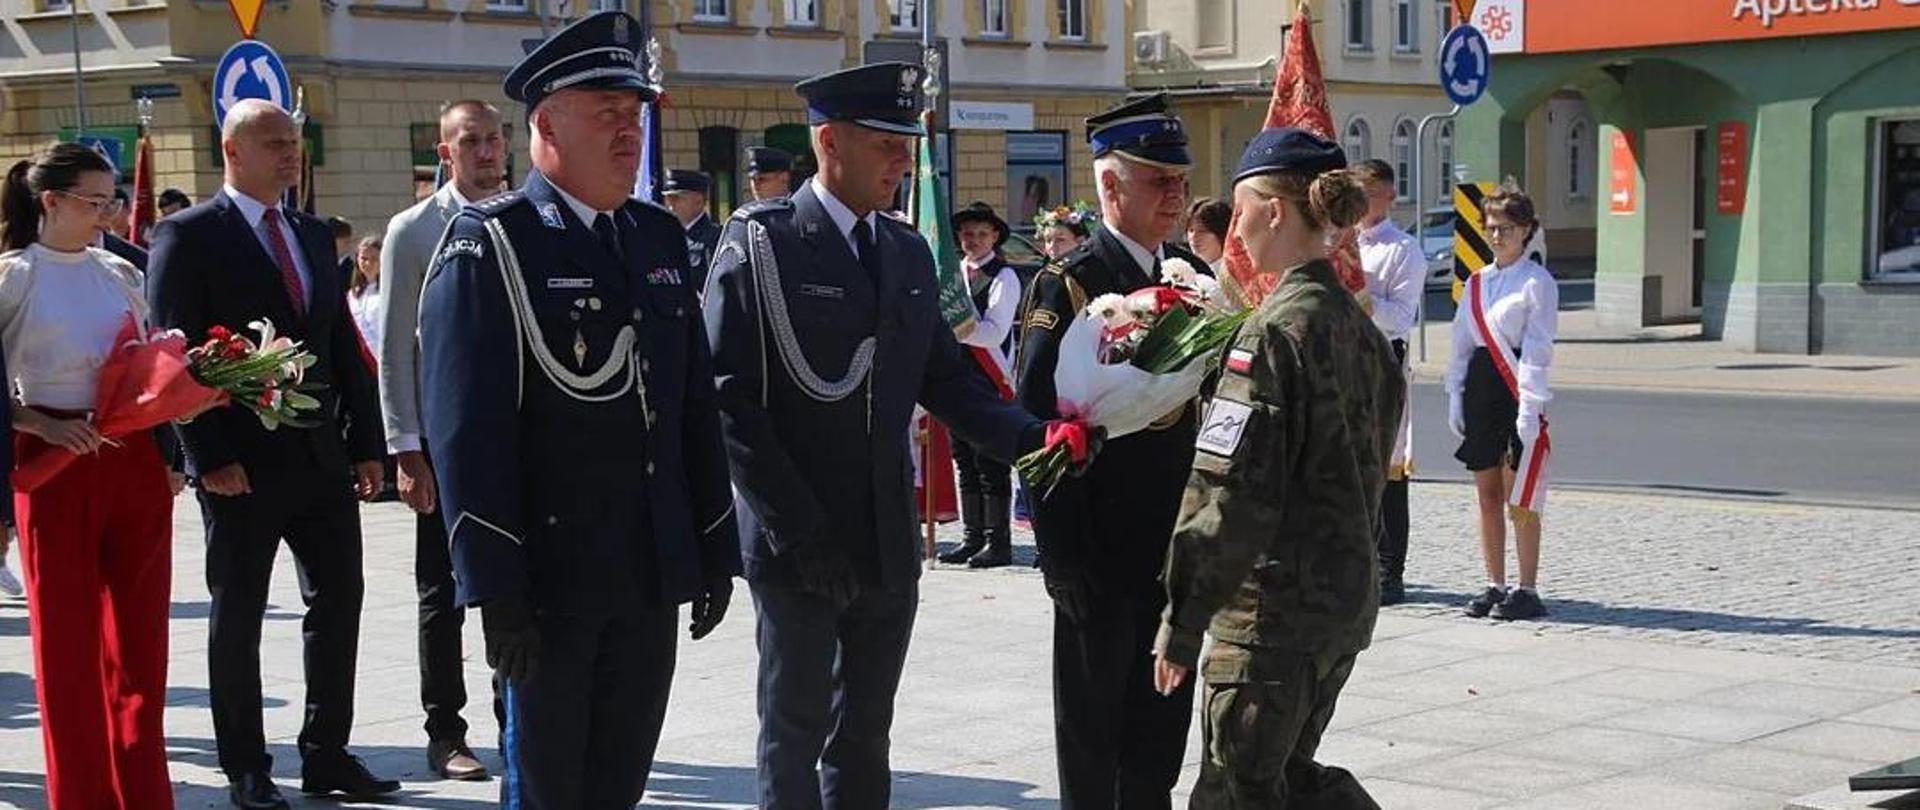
(1528, 424)
(1457, 416)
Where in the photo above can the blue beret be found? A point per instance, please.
(599, 52)
(1289, 149)
(884, 96)
(764, 159)
(1146, 130)
(685, 180)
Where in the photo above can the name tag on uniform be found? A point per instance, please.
(1226, 421)
(664, 276)
(823, 291)
(563, 283)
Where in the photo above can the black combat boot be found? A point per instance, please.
(971, 514)
(999, 535)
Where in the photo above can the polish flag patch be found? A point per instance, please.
(1240, 361)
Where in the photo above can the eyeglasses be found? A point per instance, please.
(107, 206)
(1502, 231)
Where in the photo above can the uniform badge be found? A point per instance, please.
(1240, 361)
(561, 283)
(823, 291)
(1226, 421)
(550, 214)
(664, 276)
(461, 247)
(909, 81)
(620, 30)
(1042, 319)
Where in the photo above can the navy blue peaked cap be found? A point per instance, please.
(599, 52)
(1289, 149)
(1146, 130)
(884, 96)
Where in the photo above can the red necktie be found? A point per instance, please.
(289, 272)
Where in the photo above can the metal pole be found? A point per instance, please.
(1420, 209)
(79, 85)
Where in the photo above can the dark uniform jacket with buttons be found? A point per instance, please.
(567, 397)
(1275, 544)
(1112, 522)
(703, 238)
(820, 455)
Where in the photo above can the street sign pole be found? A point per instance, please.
(1466, 71)
(1420, 208)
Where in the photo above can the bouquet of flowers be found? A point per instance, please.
(1128, 361)
(1079, 215)
(153, 378)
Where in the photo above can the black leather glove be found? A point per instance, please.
(711, 606)
(1072, 592)
(825, 571)
(513, 638)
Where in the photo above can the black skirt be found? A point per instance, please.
(1490, 411)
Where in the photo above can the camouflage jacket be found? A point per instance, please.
(1275, 542)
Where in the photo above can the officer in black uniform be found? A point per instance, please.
(824, 321)
(686, 193)
(1103, 537)
(568, 403)
(769, 172)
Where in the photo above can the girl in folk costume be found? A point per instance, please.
(1497, 388)
(985, 484)
(1063, 229)
(96, 538)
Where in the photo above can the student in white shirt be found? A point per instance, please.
(363, 291)
(986, 484)
(1390, 258)
(1522, 303)
(1207, 223)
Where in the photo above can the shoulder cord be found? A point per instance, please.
(621, 359)
(773, 308)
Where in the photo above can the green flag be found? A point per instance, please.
(931, 216)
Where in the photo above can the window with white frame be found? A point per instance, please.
(993, 18)
(1406, 26)
(1358, 141)
(803, 12)
(506, 5)
(1894, 253)
(1443, 149)
(712, 11)
(1073, 19)
(606, 5)
(1216, 25)
(1359, 24)
(1403, 160)
(57, 5)
(903, 15)
(1579, 155)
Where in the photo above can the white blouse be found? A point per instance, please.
(1522, 303)
(368, 310)
(59, 315)
(996, 322)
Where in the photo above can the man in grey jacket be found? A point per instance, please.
(474, 145)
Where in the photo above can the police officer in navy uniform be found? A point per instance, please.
(769, 172)
(686, 192)
(568, 402)
(824, 320)
(1103, 537)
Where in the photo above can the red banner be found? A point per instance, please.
(1732, 183)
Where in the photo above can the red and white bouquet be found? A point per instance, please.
(1127, 362)
(268, 377)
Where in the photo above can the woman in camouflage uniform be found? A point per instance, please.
(1274, 550)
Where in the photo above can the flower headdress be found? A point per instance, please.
(1079, 217)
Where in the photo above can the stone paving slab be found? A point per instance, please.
(1764, 690)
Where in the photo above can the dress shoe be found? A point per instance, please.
(255, 791)
(999, 535)
(452, 759)
(1392, 591)
(344, 774)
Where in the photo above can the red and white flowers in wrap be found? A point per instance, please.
(1128, 361)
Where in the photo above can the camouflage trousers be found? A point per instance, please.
(1264, 714)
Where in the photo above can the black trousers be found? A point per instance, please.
(581, 734)
(1118, 742)
(828, 675)
(443, 684)
(315, 513)
(1393, 530)
(981, 473)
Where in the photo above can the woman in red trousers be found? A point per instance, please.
(96, 539)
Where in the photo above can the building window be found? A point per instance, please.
(1036, 176)
(1358, 141)
(57, 5)
(606, 5)
(1406, 26)
(803, 12)
(1073, 19)
(1896, 182)
(1443, 145)
(1216, 25)
(1578, 157)
(506, 5)
(1359, 24)
(711, 11)
(1403, 160)
(904, 15)
(993, 18)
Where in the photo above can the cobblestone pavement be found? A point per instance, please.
(1702, 654)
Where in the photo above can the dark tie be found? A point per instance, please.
(868, 250)
(289, 272)
(609, 235)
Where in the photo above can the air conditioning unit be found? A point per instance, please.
(1150, 47)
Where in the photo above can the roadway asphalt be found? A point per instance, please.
(1798, 449)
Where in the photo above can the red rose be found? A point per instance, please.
(219, 333)
(1149, 303)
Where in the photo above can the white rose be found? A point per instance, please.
(1112, 309)
(1177, 272)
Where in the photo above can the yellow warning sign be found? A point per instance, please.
(1470, 249)
(247, 14)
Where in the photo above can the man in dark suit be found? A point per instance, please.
(686, 193)
(237, 258)
(824, 320)
(1103, 538)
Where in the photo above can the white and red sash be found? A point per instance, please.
(1530, 483)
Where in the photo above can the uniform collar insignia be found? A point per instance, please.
(550, 214)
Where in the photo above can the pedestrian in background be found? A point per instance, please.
(363, 290)
(1496, 406)
(1396, 274)
(685, 192)
(1062, 230)
(96, 539)
(1274, 551)
(1207, 223)
(173, 201)
(769, 172)
(342, 231)
(985, 483)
